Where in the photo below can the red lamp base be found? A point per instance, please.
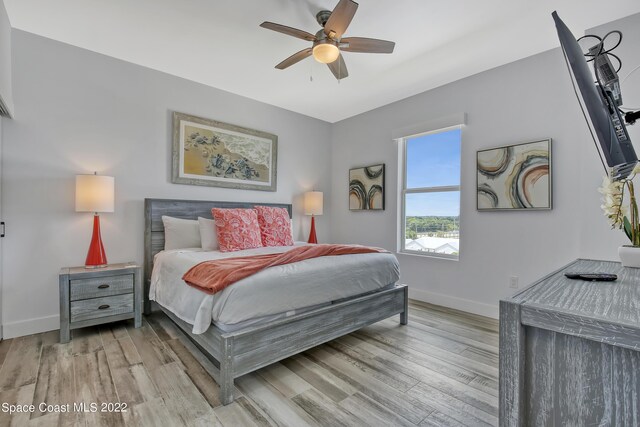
(312, 233)
(96, 257)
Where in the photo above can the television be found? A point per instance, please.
(599, 102)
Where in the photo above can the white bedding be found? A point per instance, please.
(274, 292)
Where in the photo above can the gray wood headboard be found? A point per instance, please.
(154, 209)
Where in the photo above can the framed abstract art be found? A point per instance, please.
(515, 177)
(366, 188)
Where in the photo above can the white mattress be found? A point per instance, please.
(272, 293)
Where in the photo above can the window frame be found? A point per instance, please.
(423, 190)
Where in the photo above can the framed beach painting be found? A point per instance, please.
(366, 188)
(207, 152)
(515, 177)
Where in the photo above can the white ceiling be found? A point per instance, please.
(219, 43)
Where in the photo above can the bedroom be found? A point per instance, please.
(81, 105)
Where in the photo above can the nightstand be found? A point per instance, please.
(101, 295)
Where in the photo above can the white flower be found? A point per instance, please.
(612, 201)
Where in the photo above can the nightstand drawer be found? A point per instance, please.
(101, 286)
(101, 307)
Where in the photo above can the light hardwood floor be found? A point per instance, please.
(440, 370)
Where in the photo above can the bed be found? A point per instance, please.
(248, 346)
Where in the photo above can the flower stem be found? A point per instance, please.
(635, 232)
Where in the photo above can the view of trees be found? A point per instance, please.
(433, 226)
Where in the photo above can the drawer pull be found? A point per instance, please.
(105, 286)
(104, 306)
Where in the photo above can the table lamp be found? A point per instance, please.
(95, 194)
(313, 206)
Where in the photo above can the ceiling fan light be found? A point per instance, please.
(326, 52)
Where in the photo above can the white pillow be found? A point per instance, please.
(181, 233)
(291, 224)
(208, 234)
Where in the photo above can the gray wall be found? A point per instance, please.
(78, 112)
(5, 60)
(523, 101)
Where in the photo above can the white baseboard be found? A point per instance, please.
(30, 326)
(50, 323)
(469, 306)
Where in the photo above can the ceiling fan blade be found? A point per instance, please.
(339, 68)
(290, 31)
(340, 18)
(295, 58)
(363, 44)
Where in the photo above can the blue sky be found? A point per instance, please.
(434, 160)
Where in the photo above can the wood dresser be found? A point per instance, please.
(100, 295)
(570, 350)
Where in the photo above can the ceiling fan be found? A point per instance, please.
(328, 42)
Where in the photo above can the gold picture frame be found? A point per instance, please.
(217, 154)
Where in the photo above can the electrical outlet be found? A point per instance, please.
(513, 282)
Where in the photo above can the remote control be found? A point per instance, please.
(592, 277)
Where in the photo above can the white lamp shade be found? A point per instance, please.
(95, 193)
(313, 203)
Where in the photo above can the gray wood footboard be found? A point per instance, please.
(251, 348)
(246, 350)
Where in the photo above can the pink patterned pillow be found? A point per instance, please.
(237, 229)
(275, 226)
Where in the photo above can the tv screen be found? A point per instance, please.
(599, 107)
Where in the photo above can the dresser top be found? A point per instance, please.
(111, 268)
(614, 302)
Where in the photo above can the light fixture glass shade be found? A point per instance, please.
(313, 203)
(326, 52)
(95, 193)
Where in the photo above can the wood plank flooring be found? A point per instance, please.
(439, 370)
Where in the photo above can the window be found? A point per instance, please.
(430, 218)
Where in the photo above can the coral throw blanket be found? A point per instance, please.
(213, 276)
